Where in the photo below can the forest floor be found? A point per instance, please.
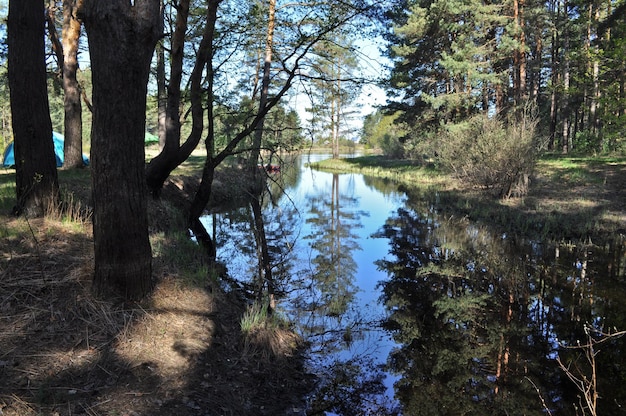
(64, 351)
(181, 351)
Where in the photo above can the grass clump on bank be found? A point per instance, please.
(267, 335)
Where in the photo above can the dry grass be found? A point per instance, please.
(267, 336)
(179, 352)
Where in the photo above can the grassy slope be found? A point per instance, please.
(571, 198)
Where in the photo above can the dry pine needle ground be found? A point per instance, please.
(65, 352)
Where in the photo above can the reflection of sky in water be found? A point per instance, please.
(373, 208)
(556, 280)
(376, 208)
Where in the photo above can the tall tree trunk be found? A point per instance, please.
(203, 193)
(566, 110)
(554, 66)
(519, 55)
(205, 55)
(73, 122)
(536, 76)
(161, 94)
(35, 164)
(335, 112)
(57, 46)
(122, 37)
(265, 86)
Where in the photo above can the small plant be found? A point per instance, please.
(266, 335)
(68, 209)
(256, 317)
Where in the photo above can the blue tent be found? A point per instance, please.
(58, 140)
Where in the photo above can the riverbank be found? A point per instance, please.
(571, 199)
(181, 351)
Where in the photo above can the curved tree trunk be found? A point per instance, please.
(35, 164)
(203, 193)
(172, 153)
(122, 38)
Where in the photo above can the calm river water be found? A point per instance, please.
(410, 312)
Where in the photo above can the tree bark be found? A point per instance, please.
(35, 164)
(172, 153)
(519, 55)
(565, 103)
(122, 37)
(265, 86)
(161, 93)
(555, 74)
(203, 193)
(73, 122)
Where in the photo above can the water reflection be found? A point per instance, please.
(317, 228)
(408, 311)
(332, 318)
(479, 319)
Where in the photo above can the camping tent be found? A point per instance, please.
(151, 138)
(57, 139)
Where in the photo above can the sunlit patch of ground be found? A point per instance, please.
(172, 331)
(178, 352)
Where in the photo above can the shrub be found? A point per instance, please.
(486, 152)
(392, 147)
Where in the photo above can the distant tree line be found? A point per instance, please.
(557, 67)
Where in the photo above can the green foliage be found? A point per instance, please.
(384, 131)
(485, 152)
(587, 142)
(454, 59)
(392, 147)
(446, 55)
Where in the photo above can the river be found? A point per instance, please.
(408, 311)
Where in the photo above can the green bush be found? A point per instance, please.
(489, 153)
(392, 147)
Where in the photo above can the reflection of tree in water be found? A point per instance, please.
(462, 309)
(260, 235)
(350, 383)
(385, 186)
(352, 387)
(332, 241)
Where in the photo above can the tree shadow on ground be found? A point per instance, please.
(65, 352)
